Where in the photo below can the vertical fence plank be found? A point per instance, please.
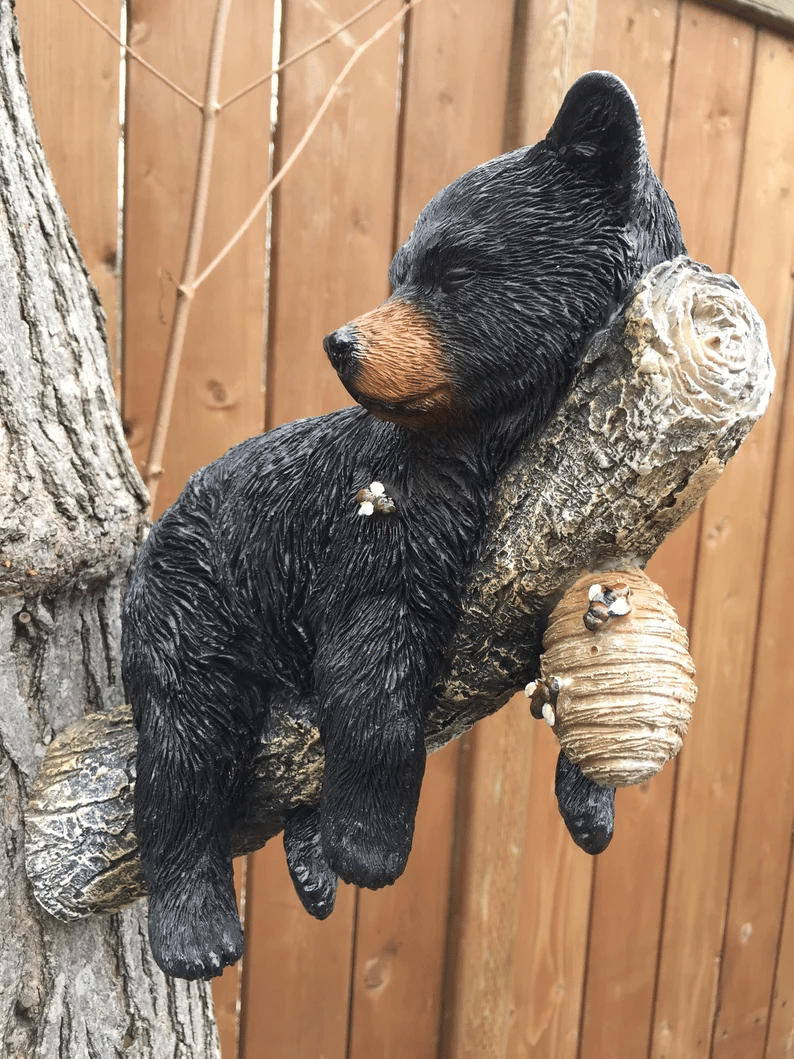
(549, 959)
(553, 913)
(332, 233)
(219, 399)
(495, 796)
(455, 97)
(557, 47)
(766, 813)
(780, 1035)
(726, 604)
(401, 935)
(453, 111)
(296, 979)
(706, 134)
(635, 41)
(226, 989)
(701, 170)
(72, 69)
(334, 212)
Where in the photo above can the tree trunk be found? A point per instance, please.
(72, 510)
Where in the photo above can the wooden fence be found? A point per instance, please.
(502, 940)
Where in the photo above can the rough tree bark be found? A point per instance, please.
(72, 510)
(663, 399)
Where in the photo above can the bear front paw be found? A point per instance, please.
(195, 933)
(366, 852)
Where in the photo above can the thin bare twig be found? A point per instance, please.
(186, 288)
(300, 54)
(138, 58)
(333, 90)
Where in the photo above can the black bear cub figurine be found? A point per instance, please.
(319, 567)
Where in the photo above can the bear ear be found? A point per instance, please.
(598, 130)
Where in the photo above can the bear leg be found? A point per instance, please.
(183, 802)
(190, 670)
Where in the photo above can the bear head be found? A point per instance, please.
(510, 269)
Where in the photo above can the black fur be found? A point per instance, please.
(263, 584)
(587, 808)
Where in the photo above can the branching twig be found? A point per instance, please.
(261, 203)
(254, 84)
(185, 290)
(138, 58)
(300, 54)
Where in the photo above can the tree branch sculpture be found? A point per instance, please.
(664, 397)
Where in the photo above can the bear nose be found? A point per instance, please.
(340, 346)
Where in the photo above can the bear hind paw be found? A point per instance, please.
(314, 881)
(195, 935)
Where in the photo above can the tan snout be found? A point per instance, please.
(391, 361)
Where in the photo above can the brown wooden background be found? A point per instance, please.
(502, 940)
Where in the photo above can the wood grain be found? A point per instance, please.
(455, 97)
(401, 934)
(777, 15)
(557, 47)
(296, 985)
(219, 397)
(226, 990)
(730, 568)
(636, 41)
(495, 787)
(706, 129)
(766, 813)
(630, 879)
(546, 993)
(72, 70)
(780, 1030)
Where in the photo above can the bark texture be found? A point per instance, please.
(72, 509)
(663, 399)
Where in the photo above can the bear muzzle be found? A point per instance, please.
(391, 362)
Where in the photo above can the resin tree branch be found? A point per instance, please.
(664, 397)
